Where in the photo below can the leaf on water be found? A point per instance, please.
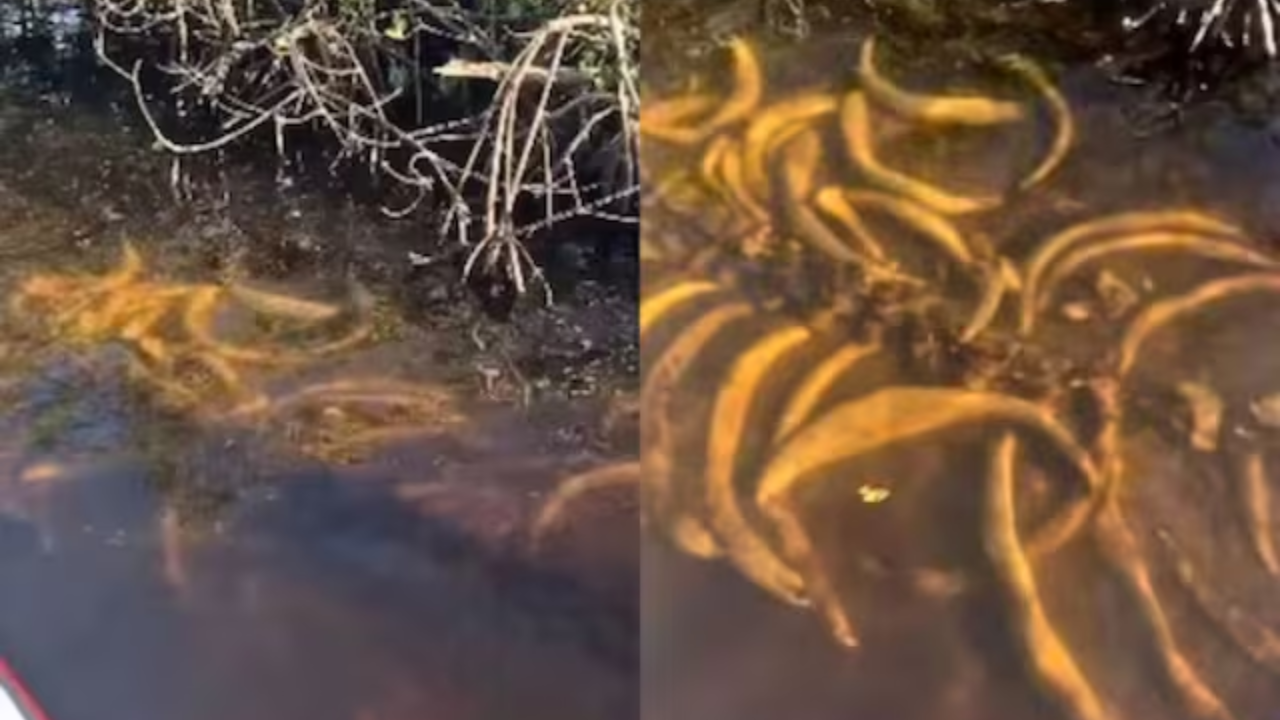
(1117, 296)
(399, 28)
(873, 493)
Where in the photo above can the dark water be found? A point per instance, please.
(717, 648)
(332, 616)
(320, 593)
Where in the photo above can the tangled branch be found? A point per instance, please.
(556, 140)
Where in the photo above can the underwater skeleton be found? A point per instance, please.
(703, 510)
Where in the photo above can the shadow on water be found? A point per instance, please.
(714, 647)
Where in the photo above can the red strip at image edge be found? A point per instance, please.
(26, 701)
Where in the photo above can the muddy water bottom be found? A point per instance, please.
(402, 585)
(322, 598)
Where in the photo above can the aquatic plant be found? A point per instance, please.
(747, 407)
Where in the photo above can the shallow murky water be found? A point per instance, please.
(163, 565)
(320, 602)
(401, 586)
(938, 636)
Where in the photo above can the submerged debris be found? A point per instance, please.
(1117, 296)
(1266, 411)
(1077, 312)
(1206, 408)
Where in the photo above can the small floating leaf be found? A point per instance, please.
(399, 28)
(873, 494)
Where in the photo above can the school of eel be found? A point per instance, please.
(800, 177)
(181, 359)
